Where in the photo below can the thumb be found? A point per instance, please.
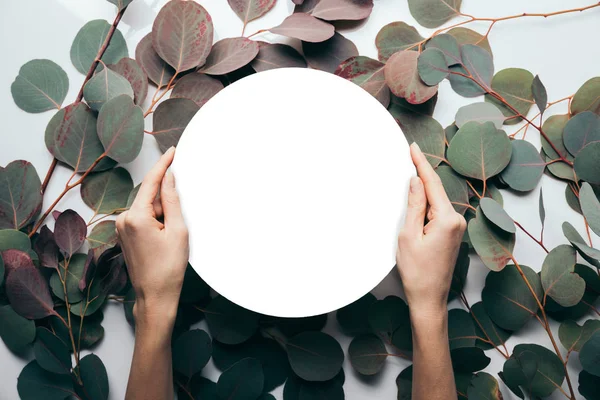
(169, 199)
(417, 206)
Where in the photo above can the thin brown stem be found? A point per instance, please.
(156, 99)
(531, 236)
(63, 280)
(488, 340)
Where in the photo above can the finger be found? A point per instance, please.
(436, 195)
(417, 206)
(170, 203)
(151, 183)
(157, 208)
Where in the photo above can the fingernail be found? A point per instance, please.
(416, 147)
(170, 150)
(414, 184)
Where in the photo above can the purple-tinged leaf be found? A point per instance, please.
(334, 10)
(121, 129)
(327, 55)
(89, 271)
(69, 232)
(15, 259)
(304, 27)
(121, 4)
(402, 77)
(156, 68)
(368, 74)
(230, 54)
(298, 2)
(28, 293)
(196, 87)
(102, 237)
(111, 273)
(170, 119)
(46, 248)
(20, 195)
(56, 214)
(129, 69)
(182, 34)
(277, 55)
(306, 6)
(249, 10)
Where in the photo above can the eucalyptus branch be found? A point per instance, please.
(156, 99)
(539, 242)
(89, 75)
(539, 114)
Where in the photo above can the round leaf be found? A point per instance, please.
(587, 97)
(51, 353)
(590, 354)
(559, 278)
(197, 87)
(315, 356)
(249, 10)
(402, 76)
(334, 10)
(243, 381)
(484, 387)
(479, 112)
(469, 36)
(14, 239)
(40, 86)
(277, 55)
(573, 336)
(514, 85)
(368, 74)
(455, 187)
(553, 128)
(156, 68)
(191, 352)
(434, 13)
(14, 259)
(182, 34)
(16, 332)
(367, 354)
(479, 151)
(478, 64)
(293, 326)
(590, 206)
(69, 232)
(486, 328)
(28, 293)
(354, 317)
(469, 359)
(90, 39)
(73, 276)
(20, 196)
(588, 385)
(526, 167)
(327, 55)
(229, 323)
(581, 130)
(304, 27)
(94, 377)
(93, 299)
(586, 163)
(461, 329)
(296, 389)
(121, 128)
(104, 86)
(548, 375)
(395, 37)
(102, 237)
(35, 383)
(230, 54)
(388, 315)
(496, 215)
(432, 66)
(448, 45)
(170, 119)
(107, 192)
(507, 299)
(194, 289)
(129, 69)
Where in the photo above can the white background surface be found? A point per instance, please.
(562, 50)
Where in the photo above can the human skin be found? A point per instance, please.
(157, 252)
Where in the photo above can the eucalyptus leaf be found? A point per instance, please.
(387, 316)
(494, 246)
(548, 375)
(107, 192)
(507, 298)
(455, 186)
(277, 55)
(315, 356)
(484, 387)
(573, 337)
(587, 97)
(304, 27)
(461, 270)
(586, 163)
(74, 271)
(94, 377)
(395, 37)
(474, 77)
(588, 385)
(197, 87)
(182, 34)
(540, 96)
(104, 86)
(191, 352)
(461, 329)
(428, 134)
(354, 317)
(514, 85)
(554, 127)
(102, 237)
(51, 353)
(590, 207)
(90, 39)
(334, 10)
(229, 323)
(581, 130)
(14, 239)
(129, 69)
(156, 68)
(40, 86)
(590, 254)
(242, 381)
(367, 354)
(590, 354)
(36, 383)
(28, 293)
(434, 13)
(432, 66)
(468, 36)
(368, 74)
(468, 359)
(404, 383)
(448, 45)
(296, 388)
(402, 76)
(294, 326)
(170, 119)
(121, 128)
(327, 55)
(93, 300)
(230, 54)
(16, 332)
(479, 112)
(194, 289)
(526, 167)
(121, 4)
(249, 10)
(14, 259)
(496, 215)
(559, 278)
(20, 195)
(69, 232)
(486, 329)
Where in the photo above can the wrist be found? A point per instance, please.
(429, 316)
(153, 315)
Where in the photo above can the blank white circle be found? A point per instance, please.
(293, 183)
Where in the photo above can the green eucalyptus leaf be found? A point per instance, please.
(479, 151)
(2, 271)
(549, 374)
(591, 294)
(526, 167)
(88, 336)
(191, 352)
(586, 163)
(327, 55)
(90, 39)
(469, 359)
(507, 299)
(20, 195)
(102, 237)
(461, 270)
(51, 353)
(93, 299)
(104, 86)
(572, 200)
(493, 245)
(296, 388)
(40, 86)
(590, 254)
(367, 354)
(94, 377)
(121, 128)
(16, 332)
(197, 87)
(468, 36)
(561, 170)
(434, 13)
(182, 34)
(590, 354)
(315, 356)
(486, 329)
(455, 187)
(368, 74)
(484, 387)
(427, 133)
(121, 4)
(74, 273)
(404, 383)
(477, 64)
(514, 85)
(588, 385)
(229, 323)
(395, 37)
(387, 316)
(461, 329)
(432, 66)
(170, 119)
(448, 45)
(540, 96)
(242, 381)
(587, 97)
(107, 192)
(354, 317)
(194, 289)
(402, 77)
(554, 127)
(36, 383)
(496, 215)
(573, 336)
(14, 239)
(129, 69)
(590, 205)
(559, 278)
(581, 130)
(479, 112)
(293, 326)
